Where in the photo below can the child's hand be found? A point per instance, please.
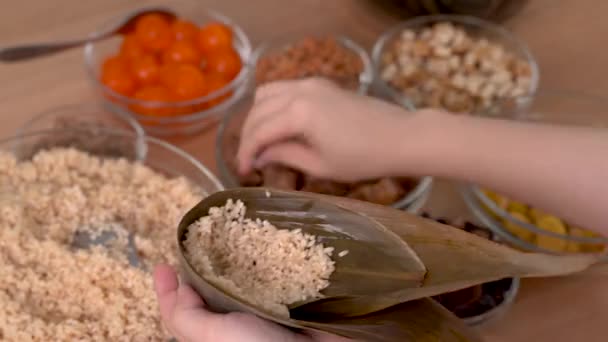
(314, 126)
(183, 313)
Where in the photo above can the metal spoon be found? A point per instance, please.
(124, 25)
(84, 240)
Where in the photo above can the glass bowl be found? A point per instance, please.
(154, 153)
(225, 151)
(198, 114)
(474, 27)
(87, 126)
(504, 216)
(477, 305)
(158, 155)
(272, 47)
(500, 309)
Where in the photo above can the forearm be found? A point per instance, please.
(559, 169)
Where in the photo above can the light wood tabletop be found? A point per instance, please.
(566, 36)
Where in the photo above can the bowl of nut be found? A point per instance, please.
(522, 225)
(174, 75)
(458, 63)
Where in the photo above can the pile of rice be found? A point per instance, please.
(50, 291)
(267, 267)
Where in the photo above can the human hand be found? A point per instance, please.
(320, 129)
(184, 314)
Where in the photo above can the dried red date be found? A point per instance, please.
(385, 191)
(323, 186)
(280, 177)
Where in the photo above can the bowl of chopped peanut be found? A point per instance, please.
(458, 63)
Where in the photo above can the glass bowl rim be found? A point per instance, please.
(85, 106)
(509, 299)
(458, 19)
(147, 140)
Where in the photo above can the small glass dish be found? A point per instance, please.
(516, 223)
(474, 27)
(181, 117)
(81, 116)
(87, 126)
(225, 151)
(480, 304)
(271, 48)
(501, 308)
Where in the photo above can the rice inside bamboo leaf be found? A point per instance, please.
(376, 259)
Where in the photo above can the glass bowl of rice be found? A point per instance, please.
(57, 184)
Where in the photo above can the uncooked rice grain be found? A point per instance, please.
(267, 267)
(50, 291)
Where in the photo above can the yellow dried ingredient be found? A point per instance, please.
(584, 247)
(554, 225)
(544, 221)
(518, 230)
(516, 207)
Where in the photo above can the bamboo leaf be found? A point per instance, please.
(377, 259)
(454, 260)
(395, 261)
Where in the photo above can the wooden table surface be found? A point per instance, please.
(566, 36)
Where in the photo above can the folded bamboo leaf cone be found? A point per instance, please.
(276, 258)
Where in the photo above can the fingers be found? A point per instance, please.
(263, 109)
(292, 154)
(182, 310)
(165, 285)
(191, 321)
(188, 299)
(273, 129)
(273, 89)
(269, 99)
(275, 116)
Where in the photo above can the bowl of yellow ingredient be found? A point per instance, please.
(522, 225)
(528, 228)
